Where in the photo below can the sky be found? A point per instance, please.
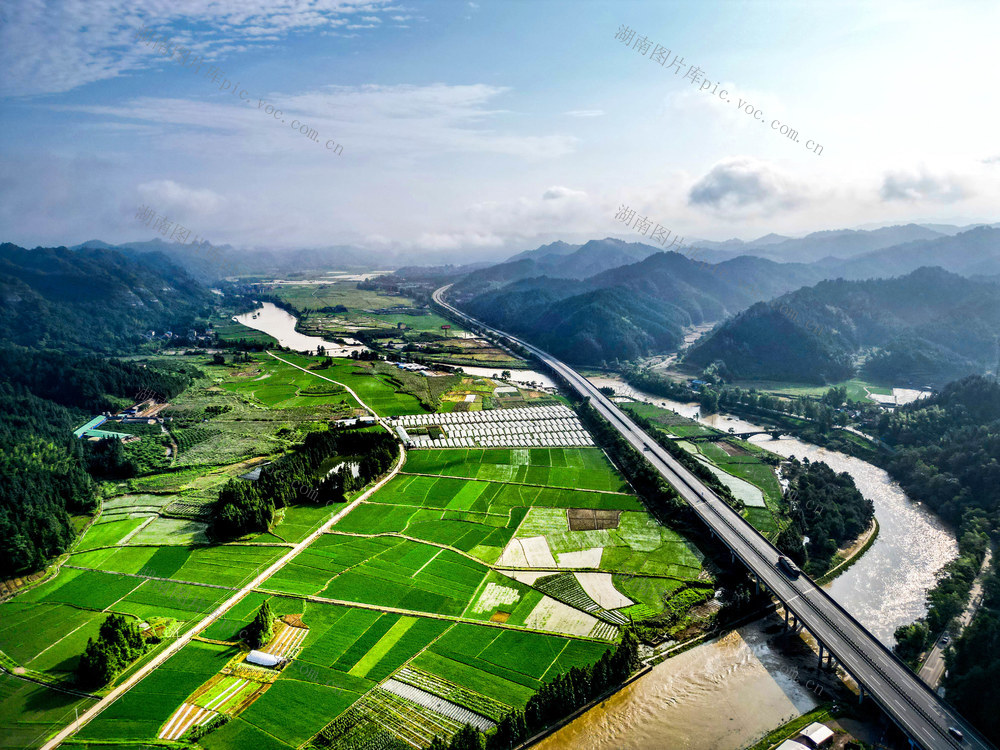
(479, 129)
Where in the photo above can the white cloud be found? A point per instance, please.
(172, 199)
(922, 185)
(49, 47)
(742, 184)
(405, 119)
(585, 113)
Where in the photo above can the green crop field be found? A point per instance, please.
(372, 386)
(423, 575)
(140, 712)
(494, 497)
(573, 468)
(311, 706)
(506, 665)
(29, 712)
(365, 308)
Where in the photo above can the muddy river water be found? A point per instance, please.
(729, 692)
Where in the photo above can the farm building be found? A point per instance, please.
(90, 430)
(817, 735)
(792, 745)
(262, 659)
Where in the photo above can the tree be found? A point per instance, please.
(505, 375)
(118, 643)
(262, 628)
(467, 738)
(910, 641)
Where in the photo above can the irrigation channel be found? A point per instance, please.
(699, 699)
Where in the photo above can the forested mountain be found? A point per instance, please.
(625, 312)
(930, 326)
(837, 243)
(92, 299)
(846, 243)
(946, 451)
(44, 395)
(558, 260)
(972, 253)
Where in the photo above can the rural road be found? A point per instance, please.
(183, 640)
(933, 667)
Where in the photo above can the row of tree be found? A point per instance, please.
(246, 506)
(555, 700)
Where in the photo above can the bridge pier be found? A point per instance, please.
(861, 693)
(822, 651)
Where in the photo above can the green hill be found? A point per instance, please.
(930, 326)
(92, 299)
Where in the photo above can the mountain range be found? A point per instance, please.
(927, 327)
(92, 299)
(628, 310)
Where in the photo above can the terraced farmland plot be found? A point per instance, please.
(505, 665)
(494, 497)
(292, 711)
(124, 506)
(480, 534)
(89, 589)
(355, 648)
(170, 531)
(171, 599)
(411, 576)
(413, 723)
(469, 699)
(571, 468)
(376, 391)
(46, 637)
(639, 544)
(29, 712)
(110, 532)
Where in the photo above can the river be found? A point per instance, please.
(281, 325)
(727, 693)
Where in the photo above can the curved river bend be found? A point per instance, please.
(727, 693)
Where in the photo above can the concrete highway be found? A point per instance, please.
(906, 699)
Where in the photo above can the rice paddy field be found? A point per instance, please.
(449, 595)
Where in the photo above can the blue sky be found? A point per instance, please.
(484, 127)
